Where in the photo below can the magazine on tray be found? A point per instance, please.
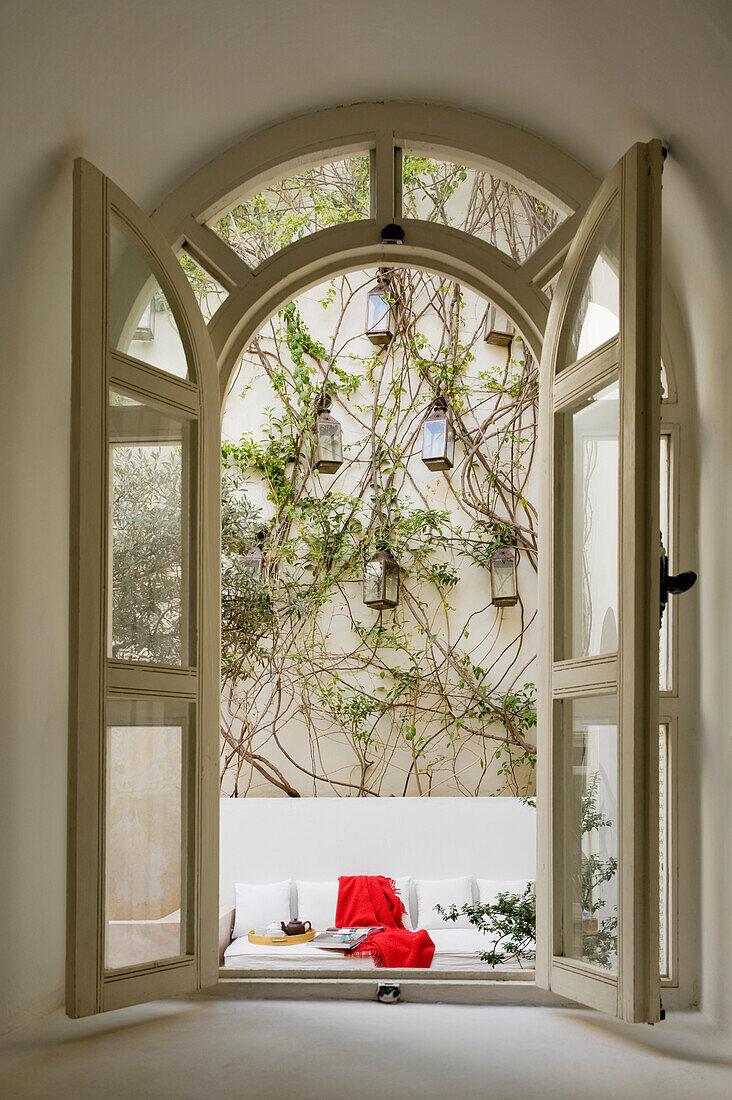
(344, 939)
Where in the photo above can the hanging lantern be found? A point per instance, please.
(329, 440)
(146, 325)
(379, 317)
(504, 581)
(499, 330)
(438, 439)
(381, 582)
(253, 562)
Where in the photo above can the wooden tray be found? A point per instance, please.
(281, 941)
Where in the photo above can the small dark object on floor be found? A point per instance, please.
(387, 994)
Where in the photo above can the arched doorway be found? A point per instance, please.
(386, 132)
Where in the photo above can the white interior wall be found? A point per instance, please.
(319, 839)
(149, 93)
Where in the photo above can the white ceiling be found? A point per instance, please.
(149, 91)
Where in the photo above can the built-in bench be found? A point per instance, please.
(491, 840)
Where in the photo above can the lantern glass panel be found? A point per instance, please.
(438, 442)
(378, 318)
(391, 583)
(503, 579)
(252, 563)
(434, 439)
(329, 455)
(373, 582)
(450, 448)
(378, 315)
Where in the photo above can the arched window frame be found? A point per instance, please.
(385, 129)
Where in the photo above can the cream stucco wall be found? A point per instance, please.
(500, 640)
(110, 82)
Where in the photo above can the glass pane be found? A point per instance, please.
(664, 851)
(146, 748)
(591, 534)
(450, 453)
(391, 583)
(209, 294)
(591, 830)
(595, 315)
(141, 322)
(478, 203)
(291, 208)
(330, 446)
(434, 433)
(664, 383)
(378, 317)
(372, 581)
(149, 459)
(504, 586)
(664, 637)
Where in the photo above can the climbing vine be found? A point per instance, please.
(322, 695)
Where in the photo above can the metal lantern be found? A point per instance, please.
(253, 562)
(146, 325)
(499, 330)
(381, 582)
(504, 580)
(438, 439)
(379, 318)
(329, 442)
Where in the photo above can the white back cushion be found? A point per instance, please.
(316, 902)
(446, 891)
(258, 904)
(490, 888)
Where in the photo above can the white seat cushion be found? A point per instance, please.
(316, 902)
(446, 892)
(490, 888)
(258, 904)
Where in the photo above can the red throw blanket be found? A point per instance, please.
(372, 899)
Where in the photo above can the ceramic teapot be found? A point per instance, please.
(296, 927)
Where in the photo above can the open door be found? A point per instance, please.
(600, 397)
(143, 759)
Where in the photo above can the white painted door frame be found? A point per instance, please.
(181, 224)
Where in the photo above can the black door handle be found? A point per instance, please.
(673, 584)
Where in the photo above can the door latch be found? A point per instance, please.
(673, 585)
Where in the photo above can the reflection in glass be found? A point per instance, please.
(596, 315)
(141, 323)
(591, 538)
(148, 457)
(146, 743)
(664, 382)
(591, 830)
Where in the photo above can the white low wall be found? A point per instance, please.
(269, 839)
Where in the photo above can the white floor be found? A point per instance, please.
(215, 1048)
